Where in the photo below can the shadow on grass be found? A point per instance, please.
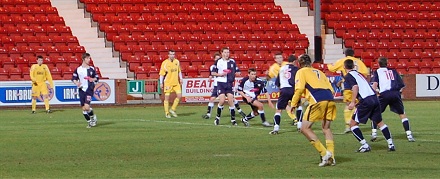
(57, 110)
(104, 123)
(186, 114)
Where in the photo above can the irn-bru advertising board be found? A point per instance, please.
(15, 93)
(200, 89)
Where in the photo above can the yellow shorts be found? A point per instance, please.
(167, 89)
(39, 89)
(347, 95)
(321, 110)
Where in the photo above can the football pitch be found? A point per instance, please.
(139, 142)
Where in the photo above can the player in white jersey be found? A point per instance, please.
(389, 84)
(214, 93)
(367, 108)
(225, 69)
(286, 82)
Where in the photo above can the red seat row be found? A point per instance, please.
(24, 3)
(382, 16)
(36, 30)
(206, 39)
(17, 74)
(391, 7)
(274, 19)
(24, 10)
(198, 30)
(38, 41)
(25, 51)
(179, 2)
(51, 61)
(125, 9)
(30, 19)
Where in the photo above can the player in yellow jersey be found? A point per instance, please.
(170, 81)
(272, 73)
(315, 86)
(39, 74)
(339, 66)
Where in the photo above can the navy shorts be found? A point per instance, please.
(369, 108)
(286, 95)
(254, 108)
(85, 97)
(214, 92)
(393, 99)
(224, 88)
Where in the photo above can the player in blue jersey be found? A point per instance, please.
(367, 108)
(389, 84)
(249, 88)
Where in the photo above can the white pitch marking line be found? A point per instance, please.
(202, 124)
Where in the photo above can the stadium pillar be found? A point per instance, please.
(318, 38)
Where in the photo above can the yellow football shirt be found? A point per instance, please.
(314, 84)
(170, 69)
(41, 74)
(274, 69)
(339, 66)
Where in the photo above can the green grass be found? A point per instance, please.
(139, 142)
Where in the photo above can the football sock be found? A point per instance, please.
(46, 104)
(386, 132)
(319, 147)
(90, 112)
(405, 123)
(357, 133)
(250, 116)
(299, 113)
(34, 104)
(219, 110)
(373, 128)
(166, 106)
(175, 104)
(347, 117)
(277, 118)
(86, 116)
(232, 110)
(263, 117)
(237, 105)
(330, 144)
(210, 105)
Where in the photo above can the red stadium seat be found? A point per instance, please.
(67, 72)
(26, 73)
(15, 74)
(21, 62)
(56, 73)
(4, 74)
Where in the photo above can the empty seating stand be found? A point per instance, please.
(29, 28)
(405, 31)
(147, 29)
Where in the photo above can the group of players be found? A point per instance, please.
(295, 78)
(84, 77)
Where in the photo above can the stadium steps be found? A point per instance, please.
(88, 37)
(299, 16)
